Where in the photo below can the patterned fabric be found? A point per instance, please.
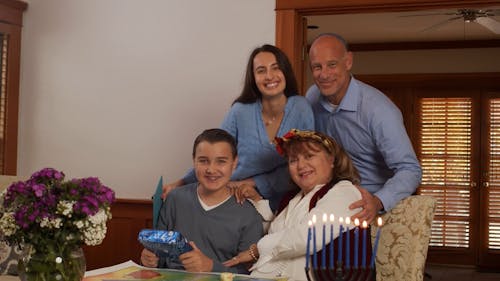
(8, 259)
(8, 255)
(404, 239)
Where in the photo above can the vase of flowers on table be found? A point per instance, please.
(51, 219)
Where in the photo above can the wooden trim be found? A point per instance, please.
(487, 79)
(324, 7)
(302, 8)
(11, 13)
(289, 24)
(393, 46)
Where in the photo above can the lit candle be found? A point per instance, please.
(363, 256)
(374, 253)
(323, 249)
(356, 242)
(347, 246)
(315, 255)
(341, 230)
(332, 218)
(308, 256)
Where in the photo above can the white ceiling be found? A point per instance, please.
(401, 27)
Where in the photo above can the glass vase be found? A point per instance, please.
(65, 265)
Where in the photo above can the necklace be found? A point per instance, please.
(270, 121)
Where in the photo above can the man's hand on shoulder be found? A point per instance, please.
(371, 206)
(196, 261)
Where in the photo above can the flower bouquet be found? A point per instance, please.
(51, 219)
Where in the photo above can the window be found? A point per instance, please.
(445, 156)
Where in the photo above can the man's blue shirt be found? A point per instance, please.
(371, 129)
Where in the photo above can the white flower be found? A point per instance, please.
(94, 235)
(80, 224)
(51, 223)
(65, 208)
(8, 224)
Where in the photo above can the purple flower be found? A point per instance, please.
(38, 189)
(38, 200)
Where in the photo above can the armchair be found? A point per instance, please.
(404, 239)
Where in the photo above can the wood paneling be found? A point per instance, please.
(120, 244)
(290, 12)
(322, 7)
(11, 11)
(404, 90)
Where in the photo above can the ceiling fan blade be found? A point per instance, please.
(439, 24)
(489, 23)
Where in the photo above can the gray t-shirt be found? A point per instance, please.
(220, 233)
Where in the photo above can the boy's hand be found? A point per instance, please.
(149, 259)
(196, 261)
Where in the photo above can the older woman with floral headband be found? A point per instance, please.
(326, 179)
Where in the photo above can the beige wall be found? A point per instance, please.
(119, 88)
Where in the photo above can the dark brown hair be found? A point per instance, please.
(214, 136)
(250, 92)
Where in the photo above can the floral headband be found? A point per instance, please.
(295, 134)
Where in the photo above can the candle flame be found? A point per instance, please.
(310, 223)
(365, 224)
(341, 220)
(332, 217)
(348, 220)
(325, 218)
(356, 222)
(379, 221)
(314, 219)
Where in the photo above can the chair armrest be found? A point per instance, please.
(404, 239)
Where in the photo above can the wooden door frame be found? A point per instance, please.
(11, 13)
(290, 13)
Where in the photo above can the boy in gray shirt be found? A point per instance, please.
(206, 213)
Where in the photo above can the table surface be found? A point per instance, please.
(9, 278)
(131, 271)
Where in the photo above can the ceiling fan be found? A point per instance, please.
(482, 17)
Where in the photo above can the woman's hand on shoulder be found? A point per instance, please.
(169, 187)
(243, 190)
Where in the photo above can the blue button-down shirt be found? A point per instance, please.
(371, 129)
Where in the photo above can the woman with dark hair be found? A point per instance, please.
(268, 107)
(251, 93)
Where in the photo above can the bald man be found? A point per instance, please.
(366, 123)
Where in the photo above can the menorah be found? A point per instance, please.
(338, 253)
(340, 274)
